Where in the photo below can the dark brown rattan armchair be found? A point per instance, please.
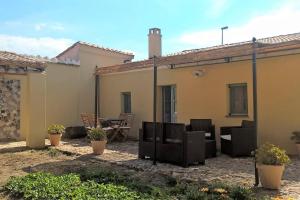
(182, 147)
(238, 140)
(146, 145)
(210, 138)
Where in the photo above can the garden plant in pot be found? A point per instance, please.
(55, 132)
(98, 140)
(271, 161)
(296, 137)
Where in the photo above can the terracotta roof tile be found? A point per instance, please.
(16, 60)
(270, 44)
(95, 46)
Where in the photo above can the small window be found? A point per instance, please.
(126, 102)
(238, 99)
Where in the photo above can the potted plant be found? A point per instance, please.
(98, 140)
(296, 138)
(55, 132)
(271, 161)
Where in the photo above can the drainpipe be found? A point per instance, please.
(254, 73)
(96, 97)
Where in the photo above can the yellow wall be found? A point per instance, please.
(90, 58)
(62, 103)
(207, 96)
(71, 88)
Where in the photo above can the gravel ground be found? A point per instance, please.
(17, 160)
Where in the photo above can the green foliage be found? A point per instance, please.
(47, 186)
(296, 137)
(109, 185)
(269, 154)
(56, 129)
(97, 134)
(108, 176)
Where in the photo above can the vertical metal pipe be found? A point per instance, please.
(96, 98)
(154, 107)
(254, 77)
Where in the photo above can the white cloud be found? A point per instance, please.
(54, 27)
(283, 20)
(44, 46)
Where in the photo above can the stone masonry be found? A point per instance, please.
(9, 109)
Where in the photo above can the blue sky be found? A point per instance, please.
(46, 27)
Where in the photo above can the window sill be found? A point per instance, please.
(237, 115)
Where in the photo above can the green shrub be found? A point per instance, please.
(43, 186)
(97, 134)
(269, 154)
(108, 185)
(56, 129)
(46, 186)
(108, 176)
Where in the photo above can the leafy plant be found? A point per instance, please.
(296, 137)
(97, 134)
(47, 186)
(56, 129)
(269, 154)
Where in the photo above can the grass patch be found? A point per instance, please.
(110, 185)
(53, 152)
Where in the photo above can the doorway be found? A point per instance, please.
(169, 103)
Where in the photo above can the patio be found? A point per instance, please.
(221, 168)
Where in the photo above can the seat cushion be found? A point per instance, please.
(226, 137)
(107, 129)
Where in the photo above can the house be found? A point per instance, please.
(36, 92)
(213, 82)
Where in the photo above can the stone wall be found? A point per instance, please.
(9, 109)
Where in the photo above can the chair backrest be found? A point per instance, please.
(200, 124)
(248, 124)
(88, 120)
(128, 119)
(148, 130)
(173, 131)
(85, 120)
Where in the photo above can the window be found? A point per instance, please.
(238, 99)
(126, 102)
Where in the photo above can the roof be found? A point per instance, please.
(10, 59)
(270, 44)
(95, 46)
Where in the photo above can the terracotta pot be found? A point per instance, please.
(98, 146)
(54, 139)
(270, 175)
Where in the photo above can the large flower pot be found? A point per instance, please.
(270, 175)
(98, 146)
(54, 139)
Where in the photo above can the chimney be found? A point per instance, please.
(154, 42)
